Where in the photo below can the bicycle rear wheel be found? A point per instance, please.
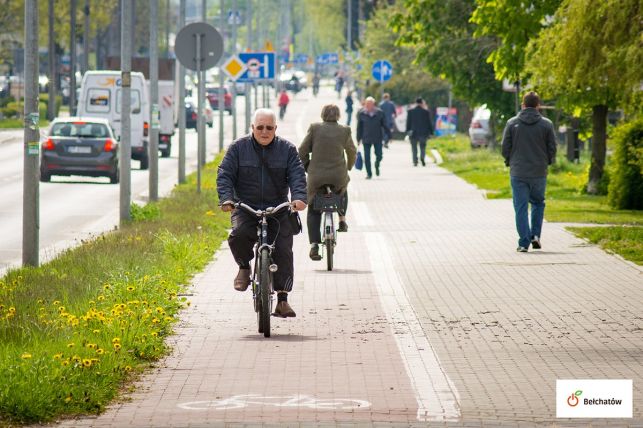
(329, 253)
(264, 294)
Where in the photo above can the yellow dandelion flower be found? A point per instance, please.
(155, 320)
(117, 346)
(76, 359)
(209, 212)
(100, 351)
(40, 301)
(159, 310)
(154, 334)
(56, 302)
(68, 399)
(12, 309)
(130, 288)
(92, 303)
(58, 356)
(87, 362)
(65, 362)
(25, 356)
(127, 368)
(61, 308)
(100, 298)
(92, 346)
(168, 319)
(70, 345)
(95, 331)
(116, 340)
(106, 287)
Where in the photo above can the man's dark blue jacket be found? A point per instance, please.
(261, 176)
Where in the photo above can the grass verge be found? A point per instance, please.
(625, 241)
(566, 201)
(74, 330)
(19, 123)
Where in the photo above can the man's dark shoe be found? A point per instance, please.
(343, 227)
(423, 162)
(314, 252)
(368, 177)
(386, 145)
(377, 170)
(535, 243)
(284, 310)
(415, 164)
(242, 281)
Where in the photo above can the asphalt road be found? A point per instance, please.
(75, 208)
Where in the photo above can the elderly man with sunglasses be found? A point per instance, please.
(260, 169)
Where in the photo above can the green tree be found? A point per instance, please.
(441, 34)
(513, 24)
(590, 58)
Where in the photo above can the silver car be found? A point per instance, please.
(479, 130)
(80, 146)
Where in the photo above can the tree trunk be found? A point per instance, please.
(599, 148)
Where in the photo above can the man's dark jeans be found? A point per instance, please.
(528, 191)
(367, 156)
(244, 235)
(414, 149)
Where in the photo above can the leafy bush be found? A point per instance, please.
(44, 98)
(626, 185)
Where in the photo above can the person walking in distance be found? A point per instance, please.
(388, 107)
(333, 155)
(349, 107)
(419, 128)
(260, 169)
(283, 103)
(371, 128)
(529, 147)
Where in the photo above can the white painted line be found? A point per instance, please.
(437, 397)
(360, 213)
(436, 156)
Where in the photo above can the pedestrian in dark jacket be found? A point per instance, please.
(389, 109)
(349, 107)
(371, 129)
(259, 170)
(419, 127)
(529, 146)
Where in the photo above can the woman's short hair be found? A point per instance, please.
(330, 113)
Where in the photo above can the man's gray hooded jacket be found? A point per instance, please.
(529, 144)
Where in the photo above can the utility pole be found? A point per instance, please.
(125, 154)
(72, 60)
(51, 104)
(201, 75)
(31, 192)
(154, 104)
(221, 101)
(85, 64)
(249, 46)
(181, 102)
(233, 87)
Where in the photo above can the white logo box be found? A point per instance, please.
(594, 398)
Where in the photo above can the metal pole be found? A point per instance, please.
(31, 193)
(201, 75)
(181, 103)
(248, 45)
(72, 60)
(51, 105)
(233, 90)
(221, 101)
(125, 155)
(154, 104)
(85, 64)
(349, 35)
(200, 117)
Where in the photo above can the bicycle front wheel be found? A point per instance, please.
(329, 253)
(264, 294)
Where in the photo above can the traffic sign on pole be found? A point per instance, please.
(211, 48)
(382, 70)
(259, 66)
(234, 67)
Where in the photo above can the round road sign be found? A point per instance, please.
(211, 45)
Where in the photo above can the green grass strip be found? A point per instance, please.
(74, 330)
(623, 240)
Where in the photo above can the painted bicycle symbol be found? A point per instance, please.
(241, 401)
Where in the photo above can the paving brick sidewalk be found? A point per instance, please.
(427, 286)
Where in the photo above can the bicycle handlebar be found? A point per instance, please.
(268, 212)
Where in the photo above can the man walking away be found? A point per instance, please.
(529, 146)
(371, 128)
(419, 128)
(388, 107)
(349, 107)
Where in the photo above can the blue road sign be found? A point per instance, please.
(382, 70)
(261, 66)
(301, 58)
(328, 58)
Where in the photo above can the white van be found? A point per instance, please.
(166, 116)
(100, 96)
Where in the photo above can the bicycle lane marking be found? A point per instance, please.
(436, 395)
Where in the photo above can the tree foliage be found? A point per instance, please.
(442, 37)
(513, 24)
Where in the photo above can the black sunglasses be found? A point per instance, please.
(268, 127)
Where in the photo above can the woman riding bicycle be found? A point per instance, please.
(333, 155)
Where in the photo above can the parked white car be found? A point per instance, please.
(480, 130)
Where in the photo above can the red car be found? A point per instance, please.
(214, 93)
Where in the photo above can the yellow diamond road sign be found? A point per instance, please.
(234, 67)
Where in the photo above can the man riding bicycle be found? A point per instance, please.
(259, 169)
(327, 142)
